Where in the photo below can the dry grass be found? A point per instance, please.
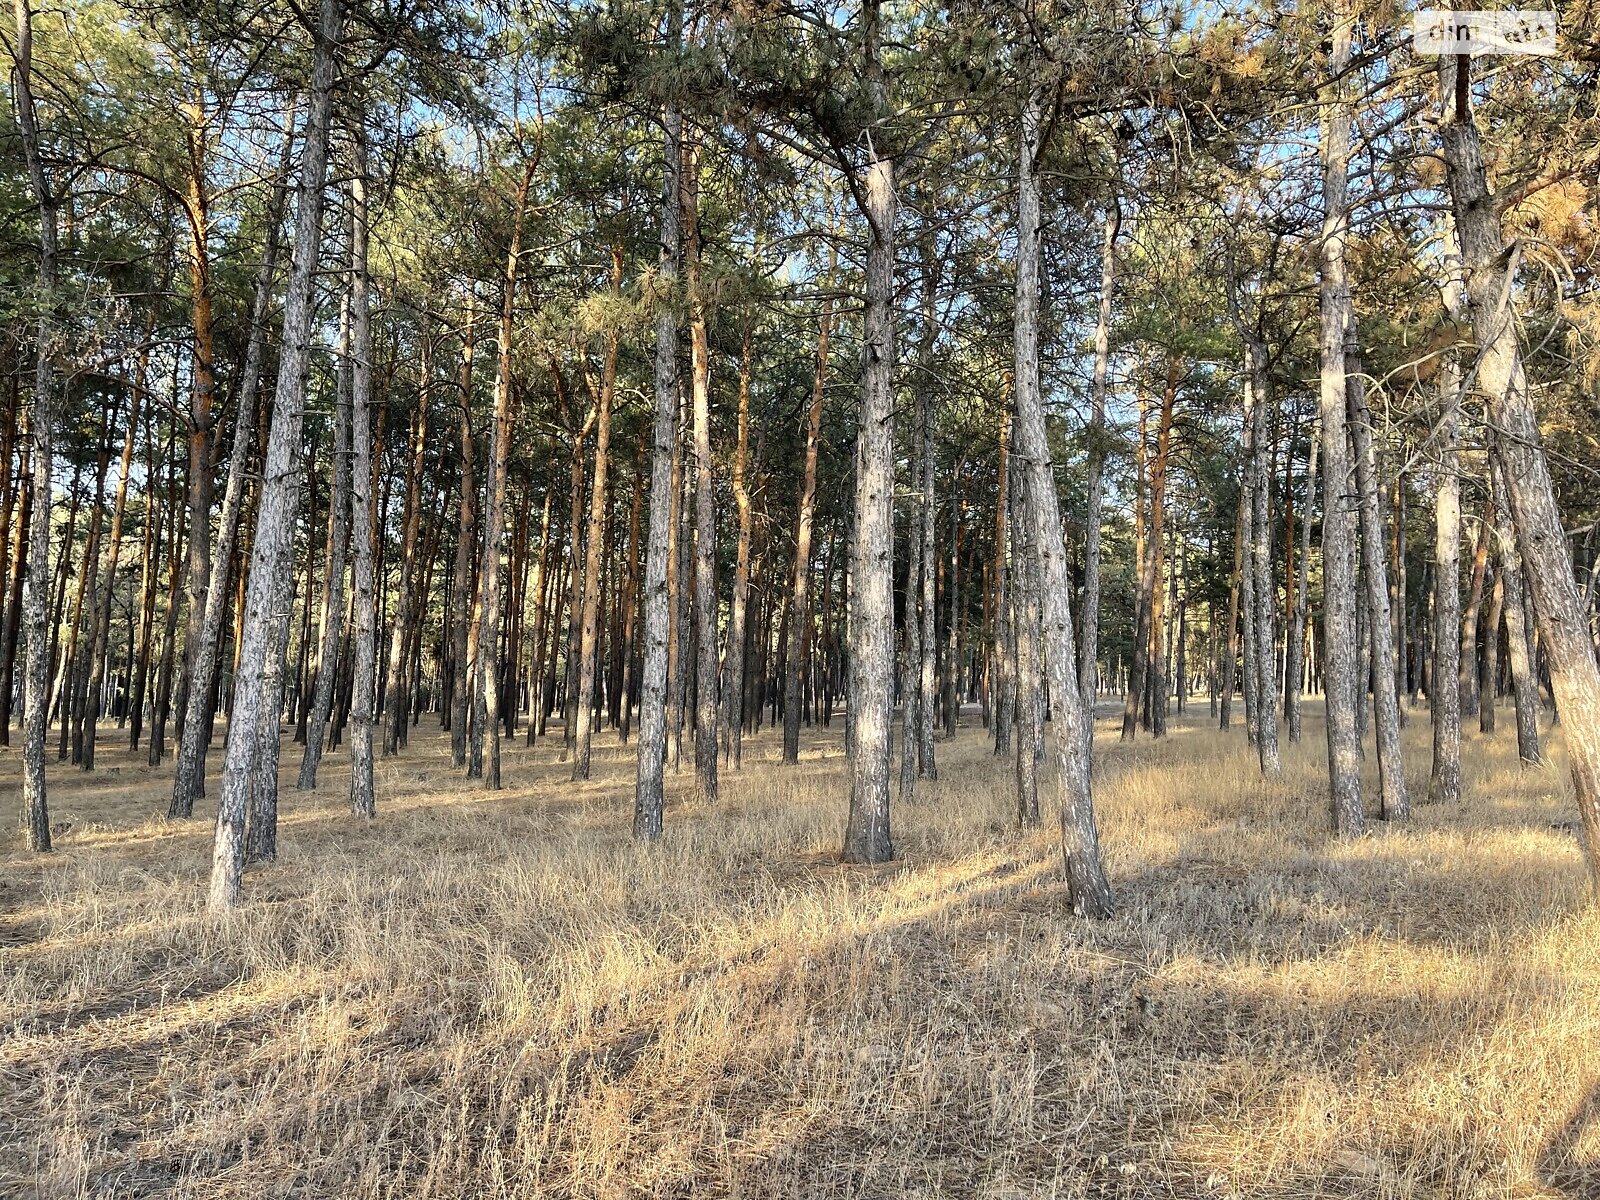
(499, 995)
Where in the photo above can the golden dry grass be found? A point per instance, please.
(499, 995)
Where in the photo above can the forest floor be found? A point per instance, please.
(498, 994)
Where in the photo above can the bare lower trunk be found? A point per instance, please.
(1294, 649)
(871, 629)
(188, 782)
(733, 681)
(259, 681)
(1087, 888)
(1030, 701)
(333, 598)
(1393, 801)
(648, 791)
(1094, 486)
(1259, 561)
(590, 594)
(1444, 692)
(1338, 525)
(363, 803)
(1524, 688)
(800, 604)
(41, 418)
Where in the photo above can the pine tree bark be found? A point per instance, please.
(41, 420)
(1338, 526)
(1294, 650)
(1524, 688)
(733, 681)
(1467, 664)
(363, 802)
(188, 781)
(462, 595)
(1259, 557)
(1394, 804)
(1087, 888)
(871, 631)
(800, 604)
(259, 680)
(494, 500)
(590, 593)
(1094, 483)
(1444, 691)
(409, 606)
(649, 781)
(1557, 601)
(1029, 699)
(333, 574)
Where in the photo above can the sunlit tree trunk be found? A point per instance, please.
(1444, 691)
(1030, 701)
(1524, 688)
(1087, 888)
(1394, 803)
(259, 687)
(871, 629)
(331, 625)
(1259, 557)
(462, 593)
(188, 781)
(1094, 484)
(363, 802)
(410, 601)
(800, 602)
(733, 682)
(41, 419)
(590, 593)
(648, 791)
(1294, 650)
(494, 500)
(1338, 525)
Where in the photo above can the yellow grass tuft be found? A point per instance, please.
(500, 995)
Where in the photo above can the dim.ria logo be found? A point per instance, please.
(1514, 31)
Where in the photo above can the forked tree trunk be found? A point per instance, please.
(649, 782)
(1087, 888)
(1338, 525)
(1557, 601)
(259, 682)
(1394, 804)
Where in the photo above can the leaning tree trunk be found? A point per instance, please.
(333, 599)
(259, 680)
(649, 782)
(1394, 804)
(871, 628)
(363, 803)
(1338, 525)
(1094, 486)
(188, 782)
(1557, 601)
(41, 421)
(1087, 887)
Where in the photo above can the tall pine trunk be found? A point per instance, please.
(363, 802)
(259, 681)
